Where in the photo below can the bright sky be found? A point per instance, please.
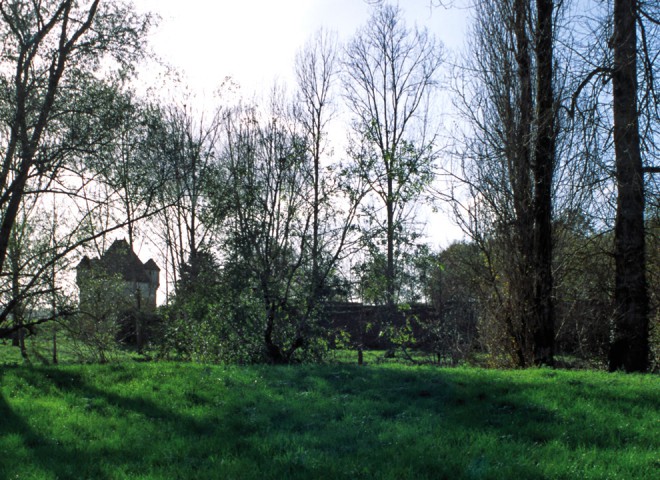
(255, 41)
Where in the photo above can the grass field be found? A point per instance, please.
(177, 421)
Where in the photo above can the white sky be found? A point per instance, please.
(255, 41)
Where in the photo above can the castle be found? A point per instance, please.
(141, 279)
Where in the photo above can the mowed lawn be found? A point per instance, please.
(178, 421)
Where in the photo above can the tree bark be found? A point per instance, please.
(543, 328)
(390, 273)
(522, 185)
(629, 347)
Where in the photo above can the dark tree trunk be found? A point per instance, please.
(316, 251)
(390, 272)
(629, 347)
(273, 352)
(55, 345)
(543, 328)
(532, 168)
(522, 188)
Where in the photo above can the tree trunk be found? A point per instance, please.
(543, 328)
(273, 352)
(522, 186)
(55, 344)
(629, 347)
(389, 280)
(316, 207)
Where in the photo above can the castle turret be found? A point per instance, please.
(153, 273)
(152, 270)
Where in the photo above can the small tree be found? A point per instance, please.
(195, 318)
(269, 223)
(103, 300)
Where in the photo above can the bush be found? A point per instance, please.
(95, 327)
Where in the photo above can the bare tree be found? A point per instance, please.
(336, 196)
(125, 165)
(619, 95)
(390, 71)
(185, 149)
(316, 69)
(508, 162)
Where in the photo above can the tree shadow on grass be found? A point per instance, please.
(50, 455)
(461, 425)
(304, 422)
(416, 424)
(28, 453)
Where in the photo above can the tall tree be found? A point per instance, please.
(390, 72)
(54, 54)
(335, 197)
(316, 69)
(617, 95)
(543, 330)
(630, 341)
(508, 167)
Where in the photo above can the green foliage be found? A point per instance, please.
(104, 300)
(207, 321)
(414, 266)
(342, 340)
(584, 281)
(170, 420)
(61, 66)
(273, 289)
(402, 336)
(213, 329)
(218, 316)
(372, 279)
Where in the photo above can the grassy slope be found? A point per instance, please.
(167, 420)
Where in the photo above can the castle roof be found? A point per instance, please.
(120, 259)
(151, 265)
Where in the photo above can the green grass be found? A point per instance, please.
(176, 421)
(380, 357)
(40, 350)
